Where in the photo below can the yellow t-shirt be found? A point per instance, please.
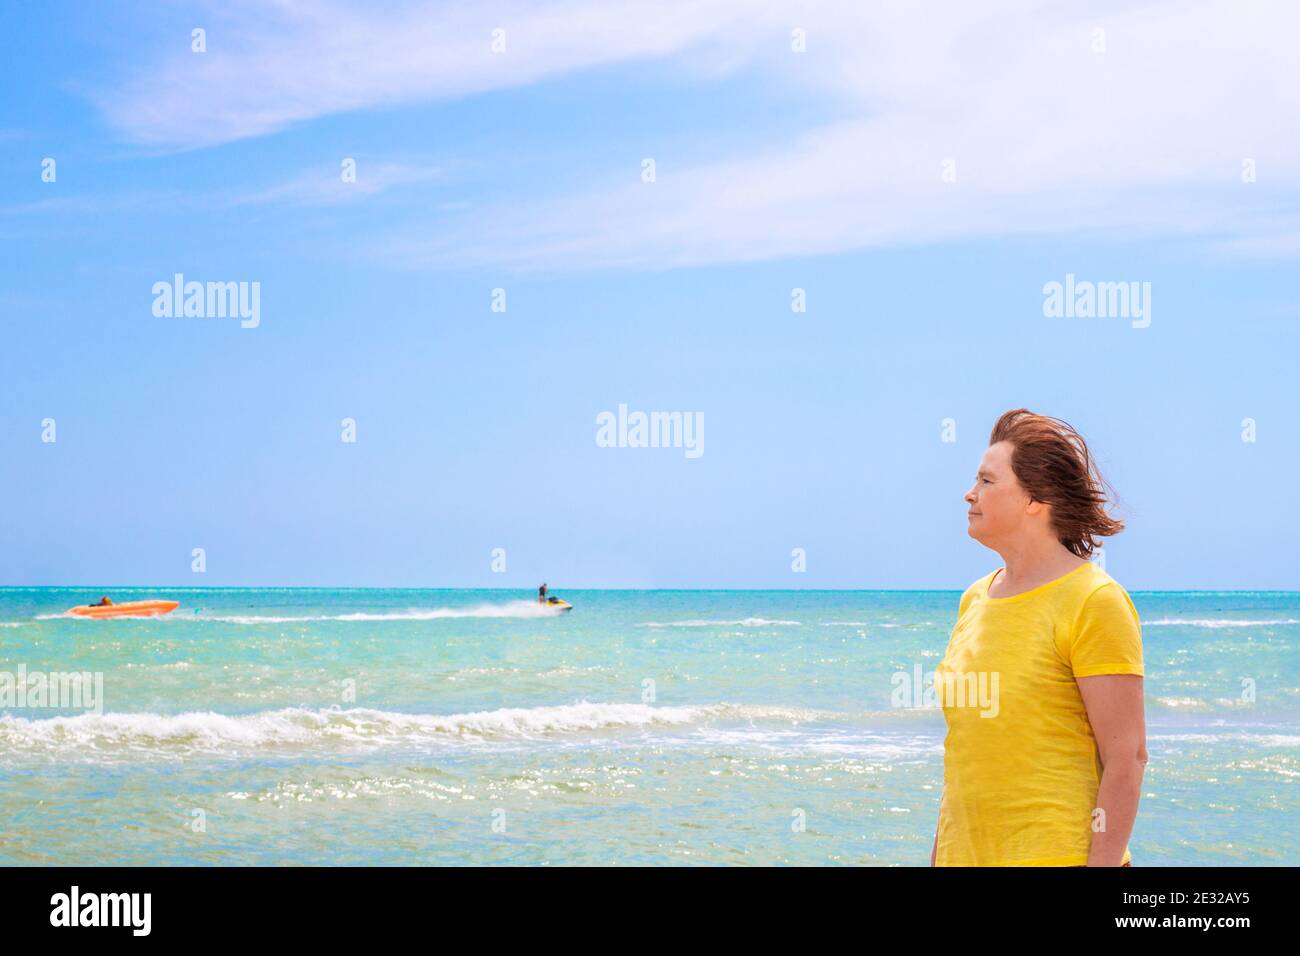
(1020, 785)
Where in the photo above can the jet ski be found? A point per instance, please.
(558, 604)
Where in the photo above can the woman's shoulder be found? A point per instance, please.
(1097, 594)
(1094, 579)
(1106, 636)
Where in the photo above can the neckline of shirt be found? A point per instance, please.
(989, 597)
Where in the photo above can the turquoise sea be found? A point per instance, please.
(297, 726)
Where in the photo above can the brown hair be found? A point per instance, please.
(1051, 461)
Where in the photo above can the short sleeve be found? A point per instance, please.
(1107, 636)
(964, 602)
(966, 597)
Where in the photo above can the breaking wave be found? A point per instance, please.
(299, 728)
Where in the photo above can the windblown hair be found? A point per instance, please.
(1051, 461)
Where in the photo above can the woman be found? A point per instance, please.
(1049, 771)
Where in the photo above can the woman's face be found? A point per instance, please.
(997, 501)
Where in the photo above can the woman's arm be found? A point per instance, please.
(1114, 705)
(934, 847)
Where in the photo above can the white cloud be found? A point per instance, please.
(1049, 136)
(1144, 140)
(269, 67)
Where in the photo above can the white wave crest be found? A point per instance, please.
(875, 624)
(1215, 622)
(745, 622)
(298, 728)
(1263, 740)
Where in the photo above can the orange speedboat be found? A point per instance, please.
(129, 609)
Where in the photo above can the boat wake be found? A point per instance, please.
(511, 610)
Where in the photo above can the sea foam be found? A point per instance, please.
(1216, 622)
(300, 728)
(513, 609)
(743, 622)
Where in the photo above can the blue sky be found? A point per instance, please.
(1104, 141)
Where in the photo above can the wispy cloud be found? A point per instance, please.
(1056, 117)
(270, 67)
(100, 204)
(1131, 125)
(318, 186)
(327, 187)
